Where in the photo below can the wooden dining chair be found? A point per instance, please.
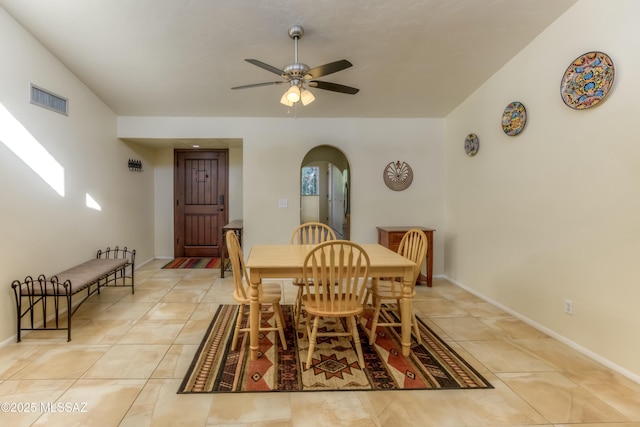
(309, 233)
(269, 293)
(334, 277)
(413, 246)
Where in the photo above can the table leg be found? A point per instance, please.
(405, 314)
(254, 314)
(223, 253)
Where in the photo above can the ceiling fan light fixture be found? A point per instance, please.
(293, 94)
(306, 97)
(298, 76)
(285, 101)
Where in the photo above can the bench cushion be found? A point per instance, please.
(84, 274)
(80, 276)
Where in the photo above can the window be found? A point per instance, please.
(310, 180)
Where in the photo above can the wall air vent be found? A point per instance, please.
(49, 100)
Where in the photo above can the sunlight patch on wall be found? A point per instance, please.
(18, 139)
(91, 203)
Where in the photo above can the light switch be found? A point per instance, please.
(283, 203)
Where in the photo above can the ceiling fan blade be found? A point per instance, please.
(332, 67)
(264, 66)
(334, 87)
(259, 84)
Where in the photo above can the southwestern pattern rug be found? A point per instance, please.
(218, 369)
(194, 263)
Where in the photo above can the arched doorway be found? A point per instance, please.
(325, 184)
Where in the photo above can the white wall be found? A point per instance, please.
(163, 203)
(273, 150)
(235, 202)
(324, 192)
(552, 214)
(41, 230)
(310, 209)
(337, 202)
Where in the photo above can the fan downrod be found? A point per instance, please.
(296, 70)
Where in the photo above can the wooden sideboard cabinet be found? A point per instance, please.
(390, 237)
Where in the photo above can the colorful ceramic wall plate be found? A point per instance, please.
(514, 118)
(587, 80)
(471, 144)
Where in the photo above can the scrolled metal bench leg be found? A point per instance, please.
(56, 307)
(19, 317)
(19, 323)
(31, 308)
(68, 317)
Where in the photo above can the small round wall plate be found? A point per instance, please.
(471, 144)
(398, 175)
(587, 80)
(514, 118)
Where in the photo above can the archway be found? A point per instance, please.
(325, 189)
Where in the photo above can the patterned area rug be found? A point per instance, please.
(194, 263)
(217, 369)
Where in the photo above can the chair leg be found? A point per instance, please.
(312, 340)
(280, 324)
(236, 332)
(356, 340)
(305, 333)
(374, 323)
(374, 299)
(297, 308)
(416, 330)
(366, 297)
(369, 292)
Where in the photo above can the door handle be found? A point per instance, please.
(221, 199)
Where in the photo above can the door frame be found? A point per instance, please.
(335, 156)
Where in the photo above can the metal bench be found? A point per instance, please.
(35, 296)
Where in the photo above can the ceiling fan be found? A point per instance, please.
(300, 77)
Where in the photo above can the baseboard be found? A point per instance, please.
(598, 358)
(138, 265)
(8, 341)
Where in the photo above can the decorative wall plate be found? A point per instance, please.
(587, 80)
(471, 144)
(514, 118)
(398, 175)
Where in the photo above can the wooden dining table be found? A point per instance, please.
(287, 262)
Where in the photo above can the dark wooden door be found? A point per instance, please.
(200, 191)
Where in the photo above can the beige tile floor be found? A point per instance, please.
(130, 352)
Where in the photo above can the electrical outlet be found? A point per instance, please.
(568, 306)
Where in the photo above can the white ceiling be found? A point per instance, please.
(411, 58)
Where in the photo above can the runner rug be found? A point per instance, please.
(218, 369)
(194, 263)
